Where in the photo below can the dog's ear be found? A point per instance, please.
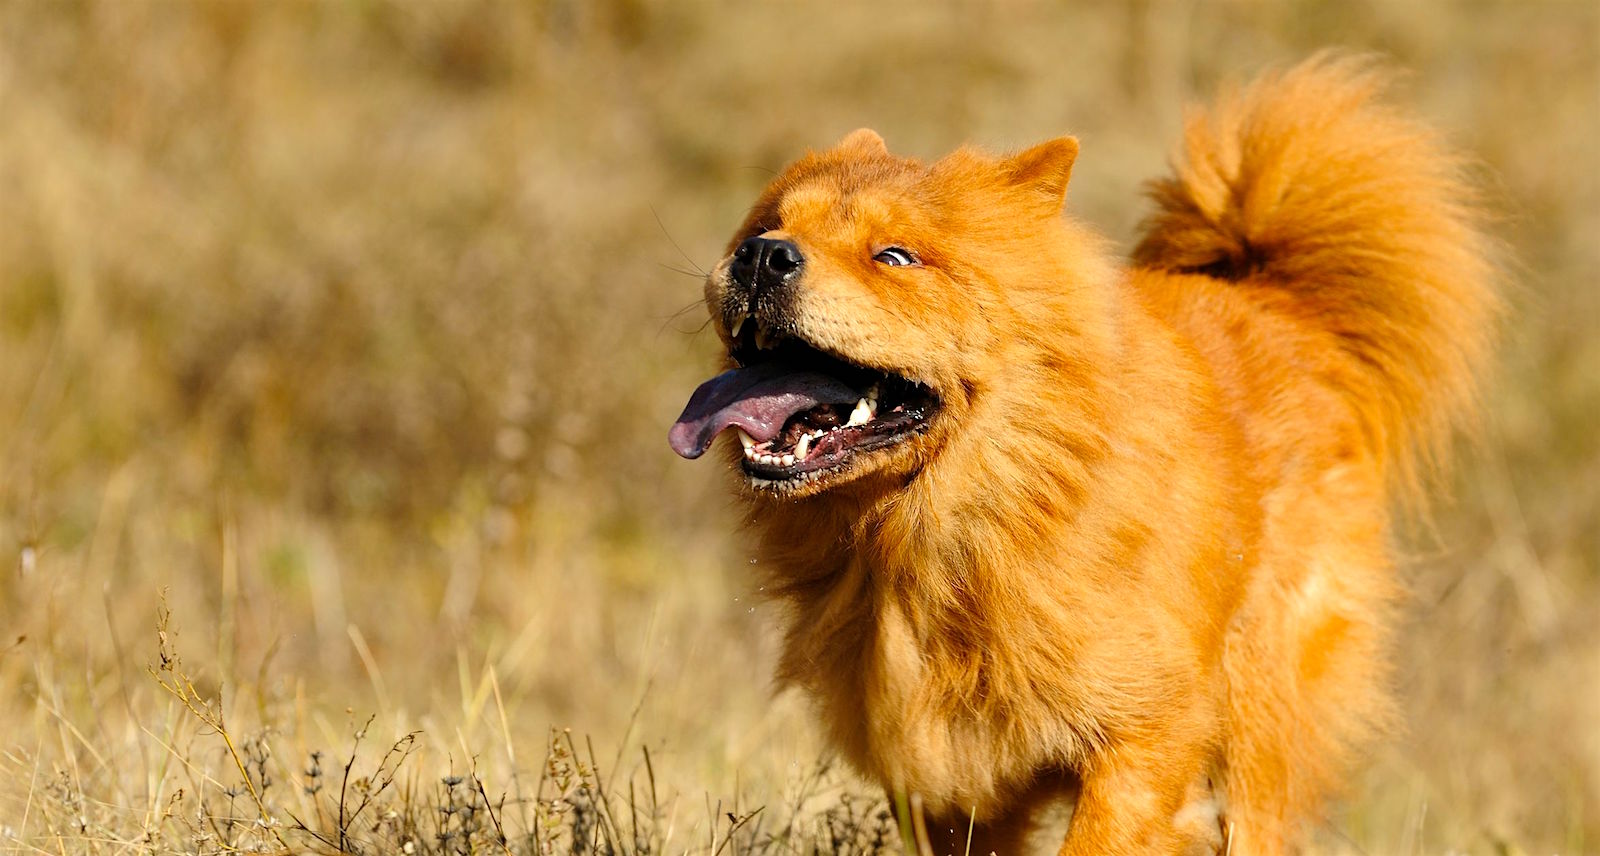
(864, 141)
(1045, 169)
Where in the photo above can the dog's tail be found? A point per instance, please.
(1309, 185)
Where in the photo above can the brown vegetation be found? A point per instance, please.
(352, 327)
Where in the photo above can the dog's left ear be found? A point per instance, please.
(1045, 169)
(864, 140)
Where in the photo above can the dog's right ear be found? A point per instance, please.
(1045, 169)
(864, 141)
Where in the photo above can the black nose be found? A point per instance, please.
(763, 263)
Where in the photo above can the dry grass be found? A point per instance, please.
(354, 329)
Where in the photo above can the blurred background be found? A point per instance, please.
(352, 330)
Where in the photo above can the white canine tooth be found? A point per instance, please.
(861, 415)
(787, 460)
(745, 440)
(802, 447)
(737, 325)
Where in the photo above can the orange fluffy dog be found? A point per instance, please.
(1050, 528)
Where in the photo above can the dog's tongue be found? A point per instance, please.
(758, 399)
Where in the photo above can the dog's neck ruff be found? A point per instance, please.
(909, 629)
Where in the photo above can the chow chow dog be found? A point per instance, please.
(1055, 529)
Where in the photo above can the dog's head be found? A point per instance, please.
(869, 303)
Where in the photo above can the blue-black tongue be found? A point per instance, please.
(759, 399)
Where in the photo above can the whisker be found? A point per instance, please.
(680, 313)
(688, 273)
(690, 306)
(691, 333)
(674, 243)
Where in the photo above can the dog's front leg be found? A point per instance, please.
(1130, 797)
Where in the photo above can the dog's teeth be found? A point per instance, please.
(745, 440)
(802, 447)
(767, 459)
(787, 460)
(738, 324)
(861, 415)
(763, 341)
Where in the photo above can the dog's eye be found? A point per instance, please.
(895, 257)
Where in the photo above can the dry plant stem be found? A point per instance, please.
(919, 827)
(650, 772)
(511, 749)
(735, 823)
(488, 807)
(344, 785)
(902, 813)
(180, 687)
(384, 775)
(608, 825)
(538, 793)
(122, 681)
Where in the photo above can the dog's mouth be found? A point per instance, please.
(803, 416)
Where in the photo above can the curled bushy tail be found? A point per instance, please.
(1308, 183)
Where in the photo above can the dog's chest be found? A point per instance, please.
(892, 712)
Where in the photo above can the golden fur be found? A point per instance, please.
(1139, 558)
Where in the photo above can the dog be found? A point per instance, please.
(1052, 528)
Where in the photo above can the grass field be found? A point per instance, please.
(338, 343)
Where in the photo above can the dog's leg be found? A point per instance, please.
(1305, 662)
(958, 836)
(1131, 798)
(1031, 822)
